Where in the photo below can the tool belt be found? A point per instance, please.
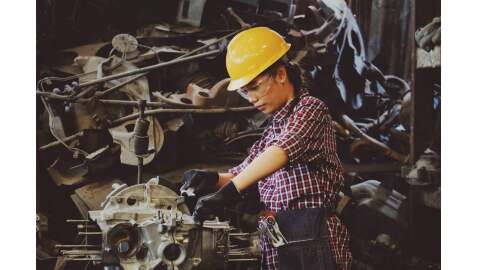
(301, 237)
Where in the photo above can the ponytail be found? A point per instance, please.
(294, 73)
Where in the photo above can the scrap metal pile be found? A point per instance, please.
(157, 99)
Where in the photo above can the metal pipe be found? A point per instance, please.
(201, 111)
(77, 220)
(239, 234)
(81, 226)
(242, 260)
(212, 43)
(102, 93)
(366, 139)
(413, 119)
(141, 105)
(90, 233)
(67, 139)
(83, 259)
(81, 252)
(369, 168)
(146, 69)
(73, 246)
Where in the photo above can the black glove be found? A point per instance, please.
(202, 182)
(213, 204)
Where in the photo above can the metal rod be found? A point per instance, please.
(205, 111)
(242, 260)
(77, 220)
(146, 69)
(83, 259)
(129, 103)
(368, 168)
(141, 105)
(89, 233)
(67, 139)
(52, 95)
(239, 234)
(413, 112)
(102, 93)
(73, 246)
(212, 43)
(81, 226)
(81, 252)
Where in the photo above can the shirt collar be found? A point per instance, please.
(284, 111)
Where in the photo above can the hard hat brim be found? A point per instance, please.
(236, 84)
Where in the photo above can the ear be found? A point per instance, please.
(281, 75)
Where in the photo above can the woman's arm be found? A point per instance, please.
(271, 160)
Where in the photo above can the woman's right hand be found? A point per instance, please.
(198, 182)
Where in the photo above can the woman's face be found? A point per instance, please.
(268, 93)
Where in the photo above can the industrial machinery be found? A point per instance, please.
(148, 226)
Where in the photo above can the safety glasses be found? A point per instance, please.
(243, 91)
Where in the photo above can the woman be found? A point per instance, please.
(295, 162)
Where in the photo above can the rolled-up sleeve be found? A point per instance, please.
(302, 127)
(239, 168)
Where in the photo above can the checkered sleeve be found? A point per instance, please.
(239, 168)
(302, 129)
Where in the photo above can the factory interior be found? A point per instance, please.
(134, 100)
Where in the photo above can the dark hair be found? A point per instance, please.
(293, 72)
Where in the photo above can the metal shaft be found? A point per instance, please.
(146, 69)
(141, 105)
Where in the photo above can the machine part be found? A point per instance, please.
(92, 195)
(65, 140)
(67, 172)
(64, 60)
(140, 138)
(41, 224)
(430, 35)
(198, 97)
(124, 43)
(374, 195)
(396, 87)
(122, 135)
(431, 59)
(368, 140)
(236, 17)
(188, 110)
(147, 225)
(426, 171)
(149, 68)
(134, 90)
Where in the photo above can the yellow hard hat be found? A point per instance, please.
(251, 52)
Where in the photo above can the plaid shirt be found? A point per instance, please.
(311, 178)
